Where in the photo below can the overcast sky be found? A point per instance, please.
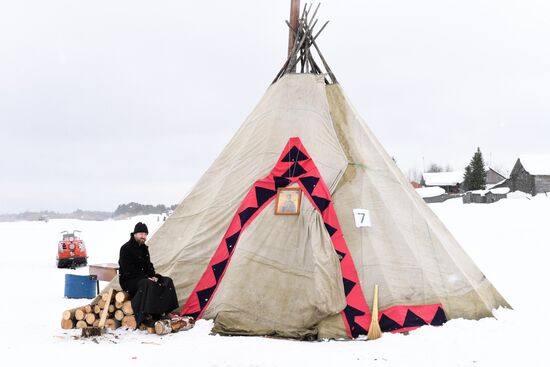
(106, 102)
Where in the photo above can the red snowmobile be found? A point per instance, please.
(71, 251)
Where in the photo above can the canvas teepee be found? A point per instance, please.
(253, 272)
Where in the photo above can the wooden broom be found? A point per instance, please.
(374, 328)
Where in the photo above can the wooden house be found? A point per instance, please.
(531, 174)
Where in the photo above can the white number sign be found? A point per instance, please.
(362, 218)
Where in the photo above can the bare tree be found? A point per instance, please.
(434, 167)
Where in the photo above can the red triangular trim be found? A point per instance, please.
(357, 321)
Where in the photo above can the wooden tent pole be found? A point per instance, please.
(294, 14)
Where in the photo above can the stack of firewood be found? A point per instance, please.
(119, 314)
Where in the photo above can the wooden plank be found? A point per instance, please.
(105, 310)
(294, 14)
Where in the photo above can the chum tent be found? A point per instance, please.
(360, 223)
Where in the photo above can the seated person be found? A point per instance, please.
(153, 295)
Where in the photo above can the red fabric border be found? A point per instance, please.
(293, 166)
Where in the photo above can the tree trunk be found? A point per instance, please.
(67, 324)
(90, 318)
(79, 314)
(163, 327)
(127, 308)
(119, 315)
(112, 324)
(122, 296)
(129, 322)
(81, 324)
(69, 314)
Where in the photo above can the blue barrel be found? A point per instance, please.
(80, 286)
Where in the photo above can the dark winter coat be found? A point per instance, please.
(135, 265)
(148, 297)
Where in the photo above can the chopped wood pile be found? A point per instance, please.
(119, 314)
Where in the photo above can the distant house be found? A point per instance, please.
(448, 181)
(531, 174)
(492, 177)
(416, 185)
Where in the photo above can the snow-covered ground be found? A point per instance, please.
(509, 240)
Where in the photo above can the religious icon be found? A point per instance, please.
(288, 201)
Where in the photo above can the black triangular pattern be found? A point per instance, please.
(348, 285)
(387, 324)
(205, 295)
(263, 195)
(281, 182)
(321, 203)
(245, 215)
(351, 313)
(218, 269)
(341, 255)
(309, 183)
(439, 318)
(331, 230)
(357, 330)
(231, 241)
(412, 320)
(293, 155)
(294, 171)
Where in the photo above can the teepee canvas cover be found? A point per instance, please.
(312, 275)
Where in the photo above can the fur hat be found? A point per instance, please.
(141, 227)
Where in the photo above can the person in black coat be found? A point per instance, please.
(153, 295)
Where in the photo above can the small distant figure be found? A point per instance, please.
(153, 295)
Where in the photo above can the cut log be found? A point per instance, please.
(122, 296)
(163, 327)
(119, 315)
(101, 303)
(111, 308)
(112, 324)
(67, 324)
(150, 330)
(69, 314)
(97, 309)
(79, 314)
(118, 305)
(81, 324)
(129, 322)
(127, 308)
(90, 318)
(96, 323)
(174, 325)
(183, 323)
(88, 308)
